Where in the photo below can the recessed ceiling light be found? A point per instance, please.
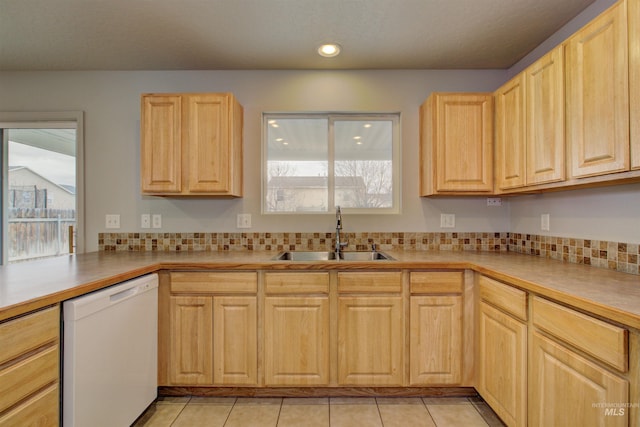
(329, 50)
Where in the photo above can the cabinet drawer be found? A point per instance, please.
(19, 380)
(505, 297)
(601, 340)
(40, 410)
(437, 282)
(370, 282)
(296, 283)
(214, 282)
(29, 332)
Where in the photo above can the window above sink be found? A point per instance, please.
(316, 161)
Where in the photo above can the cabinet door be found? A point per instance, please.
(161, 148)
(456, 148)
(545, 119)
(235, 340)
(296, 341)
(191, 340)
(598, 96)
(370, 341)
(567, 389)
(206, 134)
(634, 80)
(502, 364)
(435, 340)
(510, 134)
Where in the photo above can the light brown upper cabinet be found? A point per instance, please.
(597, 73)
(456, 144)
(191, 145)
(634, 80)
(530, 125)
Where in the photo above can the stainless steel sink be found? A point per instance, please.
(328, 256)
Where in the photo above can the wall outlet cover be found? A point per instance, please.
(112, 220)
(447, 220)
(156, 221)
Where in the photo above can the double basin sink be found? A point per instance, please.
(332, 256)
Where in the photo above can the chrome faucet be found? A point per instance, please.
(339, 244)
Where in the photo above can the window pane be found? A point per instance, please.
(297, 165)
(363, 163)
(41, 192)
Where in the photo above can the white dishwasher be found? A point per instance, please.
(110, 352)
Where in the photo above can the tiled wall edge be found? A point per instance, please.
(622, 257)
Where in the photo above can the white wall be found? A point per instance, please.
(607, 213)
(111, 102)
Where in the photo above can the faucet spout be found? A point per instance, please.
(339, 244)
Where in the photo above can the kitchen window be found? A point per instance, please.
(314, 162)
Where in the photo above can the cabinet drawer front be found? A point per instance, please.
(40, 410)
(297, 283)
(437, 282)
(370, 282)
(601, 340)
(507, 298)
(29, 332)
(28, 376)
(214, 282)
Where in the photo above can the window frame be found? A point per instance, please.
(17, 120)
(332, 117)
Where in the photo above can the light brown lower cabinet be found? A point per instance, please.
(30, 369)
(210, 336)
(436, 328)
(296, 329)
(502, 364)
(502, 350)
(569, 390)
(370, 341)
(370, 329)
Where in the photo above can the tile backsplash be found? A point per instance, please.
(612, 255)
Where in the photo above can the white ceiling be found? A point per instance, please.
(274, 34)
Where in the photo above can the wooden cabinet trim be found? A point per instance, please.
(296, 283)
(505, 297)
(436, 282)
(202, 282)
(606, 342)
(27, 376)
(26, 333)
(370, 282)
(41, 409)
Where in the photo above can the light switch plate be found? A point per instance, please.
(243, 220)
(544, 222)
(447, 220)
(145, 221)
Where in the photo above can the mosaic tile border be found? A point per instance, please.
(300, 241)
(624, 257)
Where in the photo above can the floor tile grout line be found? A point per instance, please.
(181, 410)
(230, 410)
(379, 413)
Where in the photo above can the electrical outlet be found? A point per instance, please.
(494, 201)
(544, 222)
(243, 221)
(447, 220)
(112, 221)
(156, 221)
(145, 221)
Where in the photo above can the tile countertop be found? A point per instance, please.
(31, 285)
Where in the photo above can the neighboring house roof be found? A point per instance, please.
(315, 181)
(68, 188)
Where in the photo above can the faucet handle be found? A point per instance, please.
(373, 247)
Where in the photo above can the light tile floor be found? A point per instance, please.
(321, 412)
